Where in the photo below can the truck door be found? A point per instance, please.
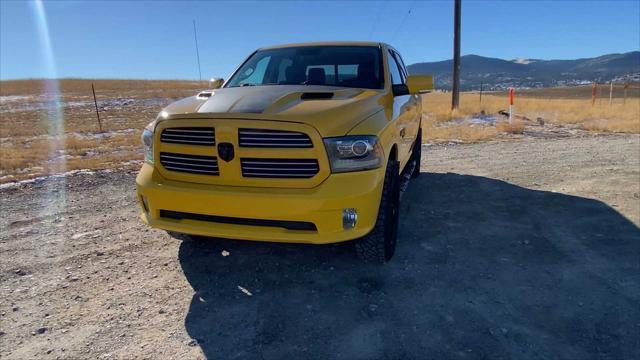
(415, 104)
(405, 108)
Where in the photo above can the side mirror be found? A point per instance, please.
(419, 83)
(216, 83)
(400, 89)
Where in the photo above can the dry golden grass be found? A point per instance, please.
(26, 154)
(620, 116)
(513, 127)
(27, 149)
(14, 158)
(580, 92)
(149, 88)
(465, 133)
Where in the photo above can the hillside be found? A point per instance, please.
(499, 74)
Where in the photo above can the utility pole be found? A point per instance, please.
(455, 97)
(195, 35)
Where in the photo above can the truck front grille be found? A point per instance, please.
(279, 168)
(195, 164)
(273, 139)
(189, 136)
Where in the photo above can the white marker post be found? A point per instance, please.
(511, 96)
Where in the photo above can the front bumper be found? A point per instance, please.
(321, 205)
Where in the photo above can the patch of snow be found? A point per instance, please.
(102, 135)
(523, 61)
(132, 162)
(47, 177)
(13, 98)
(477, 119)
(119, 102)
(16, 103)
(77, 103)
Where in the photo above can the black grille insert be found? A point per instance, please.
(279, 168)
(273, 139)
(289, 225)
(189, 135)
(195, 164)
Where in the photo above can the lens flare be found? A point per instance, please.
(52, 116)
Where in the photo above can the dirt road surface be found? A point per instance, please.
(523, 249)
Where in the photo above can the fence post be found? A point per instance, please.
(481, 85)
(95, 102)
(593, 93)
(511, 96)
(611, 93)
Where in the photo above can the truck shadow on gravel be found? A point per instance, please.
(484, 269)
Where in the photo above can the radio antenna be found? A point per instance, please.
(195, 36)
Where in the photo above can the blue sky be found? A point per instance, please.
(140, 39)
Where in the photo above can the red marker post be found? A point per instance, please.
(512, 94)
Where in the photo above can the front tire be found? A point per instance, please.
(417, 155)
(380, 244)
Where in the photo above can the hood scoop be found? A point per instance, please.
(203, 95)
(316, 95)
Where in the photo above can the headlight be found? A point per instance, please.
(147, 143)
(353, 153)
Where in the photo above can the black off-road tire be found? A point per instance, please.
(380, 244)
(417, 155)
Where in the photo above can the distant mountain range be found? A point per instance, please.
(496, 74)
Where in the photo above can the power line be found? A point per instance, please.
(195, 35)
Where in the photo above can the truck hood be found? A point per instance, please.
(333, 111)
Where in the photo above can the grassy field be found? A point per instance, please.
(37, 138)
(554, 106)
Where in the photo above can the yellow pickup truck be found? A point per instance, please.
(305, 143)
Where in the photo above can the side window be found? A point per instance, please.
(401, 63)
(397, 78)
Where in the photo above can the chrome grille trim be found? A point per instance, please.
(196, 164)
(279, 168)
(189, 136)
(273, 139)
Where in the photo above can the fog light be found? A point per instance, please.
(349, 218)
(145, 203)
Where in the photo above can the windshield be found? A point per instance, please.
(347, 66)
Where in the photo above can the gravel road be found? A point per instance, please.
(525, 249)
